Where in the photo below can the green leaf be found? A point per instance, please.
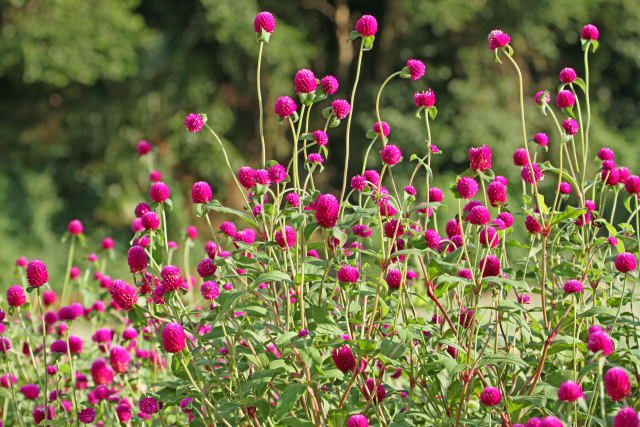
(367, 42)
(288, 399)
(565, 269)
(371, 134)
(433, 112)
(338, 417)
(598, 310)
(569, 212)
(354, 35)
(627, 202)
(216, 206)
(392, 349)
(274, 276)
(580, 83)
(296, 422)
(500, 359)
(324, 322)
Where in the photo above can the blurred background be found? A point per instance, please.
(82, 81)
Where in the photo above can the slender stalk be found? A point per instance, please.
(65, 286)
(73, 379)
(13, 393)
(44, 349)
(261, 116)
(164, 230)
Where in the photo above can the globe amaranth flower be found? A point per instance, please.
(498, 38)
(261, 176)
(606, 154)
(589, 32)
(315, 158)
(209, 290)
(393, 228)
(39, 415)
(171, 277)
(550, 421)
(305, 81)
(623, 174)
(201, 192)
(527, 176)
(368, 387)
(340, 108)
(381, 124)
(390, 155)
(159, 192)
(143, 147)
(264, 21)
(497, 193)
(206, 268)
(155, 176)
(610, 177)
(367, 25)
(453, 228)
(465, 274)
(616, 381)
(194, 122)
(329, 84)
(326, 207)
(424, 99)
(292, 199)
(348, 273)
(542, 97)
(16, 296)
(246, 177)
(173, 338)
(532, 225)
(568, 75)
(59, 346)
(573, 286)
(87, 415)
(125, 295)
(565, 188)
(358, 182)
(148, 405)
(284, 106)
(490, 396)
(467, 187)
(520, 157)
(626, 417)
(75, 227)
(489, 237)
(565, 99)
(608, 165)
(480, 158)
(287, 239)
(632, 184)
(150, 221)
(541, 139)
(570, 126)
(372, 176)
(119, 359)
(435, 195)
(277, 173)
(344, 359)
(30, 391)
(137, 259)
(432, 238)
(123, 411)
(569, 391)
(416, 68)
(479, 215)
(625, 262)
(37, 274)
(600, 341)
(490, 266)
(524, 299)
(394, 278)
(357, 420)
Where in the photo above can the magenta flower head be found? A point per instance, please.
(284, 106)
(141, 209)
(137, 259)
(125, 295)
(261, 176)
(368, 388)
(150, 221)
(367, 26)
(344, 359)
(616, 381)
(606, 154)
(209, 290)
(497, 193)
(107, 243)
(467, 187)
(565, 188)
(424, 99)
(589, 32)
(626, 417)
(625, 262)
(192, 232)
(565, 99)
(520, 157)
(5, 345)
(600, 341)
(551, 421)
(143, 147)
(480, 158)
(327, 208)
(101, 373)
(329, 84)
(194, 122)
(59, 346)
(568, 75)
(75, 344)
(75, 227)
(264, 21)
(490, 396)
(245, 176)
(573, 286)
(490, 266)
(432, 238)
(541, 139)
(87, 415)
(21, 262)
(348, 274)
(159, 192)
(394, 278)
(173, 338)
(155, 176)
(119, 359)
(315, 158)
(16, 296)
(569, 391)
(416, 68)
(278, 173)
(37, 274)
(570, 126)
(527, 176)
(498, 38)
(123, 411)
(390, 155)
(206, 268)
(287, 239)
(305, 81)
(320, 137)
(340, 108)
(149, 405)
(385, 128)
(201, 192)
(171, 277)
(632, 184)
(357, 420)
(542, 97)
(30, 391)
(479, 215)
(435, 194)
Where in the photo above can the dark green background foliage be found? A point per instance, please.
(83, 80)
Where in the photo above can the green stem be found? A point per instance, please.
(13, 393)
(65, 286)
(261, 117)
(164, 230)
(44, 349)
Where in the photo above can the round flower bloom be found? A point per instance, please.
(497, 193)
(159, 192)
(480, 158)
(171, 277)
(490, 396)
(119, 359)
(348, 273)
(532, 225)
(361, 230)
(284, 106)
(625, 262)
(343, 358)
(315, 158)
(277, 174)
(358, 182)
(148, 405)
(327, 208)
(30, 391)
(626, 417)
(624, 174)
(288, 239)
(542, 96)
(39, 415)
(155, 176)
(589, 32)
(489, 236)
(565, 99)
(107, 243)
(16, 296)
(453, 228)
(141, 209)
(292, 199)
(194, 122)
(432, 238)
(479, 215)
(59, 346)
(416, 68)
(569, 391)
(201, 192)
(75, 344)
(497, 39)
(192, 232)
(320, 138)
(394, 278)
(87, 415)
(125, 295)
(520, 157)
(329, 84)
(37, 274)
(527, 176)
(600, 341)
(66, 313)
(209, 290)
(590, 205)
(568, 75)
(565, 188)
(357, 420)
(228, 228)
(465, 274)
(305, 81)
(435, 194)
(551, 421)
(385, 128)
(467, 187)
(490, 266)
(570, 126)
(143, 147)
(367, 25)
(573, 286)
(424, 99)
(4, 380)
(173, 338)
(608, 165)
(123, 411)
(264, 21)
(632, 184)
(75, 227)
(368, 388)
(206, 268)
(246, 177)
(393, 228)
(150, 221)
(137, 259)
(524, 299)
(606, 154)
(542, 139)
(341, 108)
(616, 381)
(372, 176)
(261, 176)
(533, 422)
(390, 155)
(610, 177)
